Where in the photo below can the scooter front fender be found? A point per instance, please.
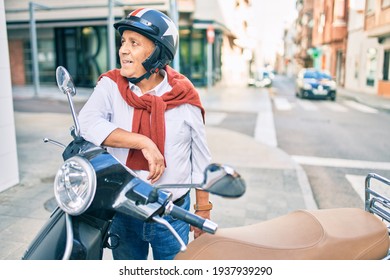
(49, 243)
(89, 237)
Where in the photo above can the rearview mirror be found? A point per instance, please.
(223, 180)
(65, 81)
(218, 179)
(66, 85)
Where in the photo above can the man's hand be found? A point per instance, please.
(155, 160)
(197, 231)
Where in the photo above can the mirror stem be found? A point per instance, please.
(75, 120)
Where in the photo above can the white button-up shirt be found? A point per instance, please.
(186, 150)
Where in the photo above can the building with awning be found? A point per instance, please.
(80, 36)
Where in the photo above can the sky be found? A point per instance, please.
(272, 17)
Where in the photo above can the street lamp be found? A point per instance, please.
(111, 33)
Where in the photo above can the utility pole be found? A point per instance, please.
(210, 41)
(34, 45)
(111, 36)
(174, 15)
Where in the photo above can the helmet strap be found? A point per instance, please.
(139, 79)
(152, 64)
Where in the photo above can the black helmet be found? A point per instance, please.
(159, 28)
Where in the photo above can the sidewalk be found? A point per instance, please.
(276, 185)
(372, 100)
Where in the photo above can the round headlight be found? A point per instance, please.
(75, 185)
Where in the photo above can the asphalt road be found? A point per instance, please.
(337, 143)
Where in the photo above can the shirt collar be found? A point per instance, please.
(158, 90)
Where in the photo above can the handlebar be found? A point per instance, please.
(186, 216)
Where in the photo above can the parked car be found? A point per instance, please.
(261, 78)
(313, 83)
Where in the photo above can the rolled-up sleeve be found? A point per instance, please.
(95, 116)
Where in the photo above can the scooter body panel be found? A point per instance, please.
(89, 237)
(49, 242)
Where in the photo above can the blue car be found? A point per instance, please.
(312, 83)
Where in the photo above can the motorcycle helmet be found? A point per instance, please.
(159, 28)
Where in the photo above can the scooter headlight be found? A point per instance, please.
(75, 185)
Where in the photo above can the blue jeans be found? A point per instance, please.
(136, 235)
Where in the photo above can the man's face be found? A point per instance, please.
(135, 48)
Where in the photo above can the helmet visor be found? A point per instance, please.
(137, 24)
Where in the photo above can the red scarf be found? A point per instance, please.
(149, 110)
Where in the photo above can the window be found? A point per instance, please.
(321, 23)
(198, 55)
(339, 11)
(385, 4)
(371, 66)
(185, 52)
(386, 65)
(356, 72)
(46, 60)
(83, 51)
(370, 7)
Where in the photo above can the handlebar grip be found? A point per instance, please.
(199, 222)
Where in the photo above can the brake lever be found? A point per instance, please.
(161, 221)
(51, 141)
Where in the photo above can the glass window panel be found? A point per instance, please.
(371, 66)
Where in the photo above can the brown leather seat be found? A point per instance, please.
(345, 233)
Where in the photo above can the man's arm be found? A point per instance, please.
(120, 138)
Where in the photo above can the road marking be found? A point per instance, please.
(360, 107)
(336, 107)
(265, 129)
(282, 104)
(357, 182)
(336, 162)
(307, 105)
(265, 126)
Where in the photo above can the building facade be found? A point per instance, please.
(304, 33)
(330, 36)
(78, 35)
(322, 36)
(377, 26)
(35, 38)
(361, 60)
(350, 38)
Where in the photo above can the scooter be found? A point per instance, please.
(92, 185)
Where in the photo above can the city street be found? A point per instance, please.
(337, 143)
